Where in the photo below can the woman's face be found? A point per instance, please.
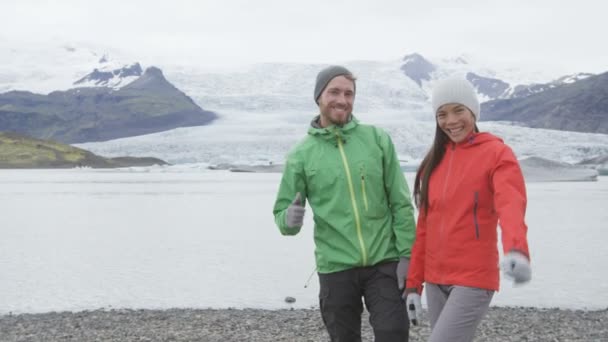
(456, 121)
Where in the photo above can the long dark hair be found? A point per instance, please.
(428, 165)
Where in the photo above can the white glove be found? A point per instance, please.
(414, 308)
(516, 266)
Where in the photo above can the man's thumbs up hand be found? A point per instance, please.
(295, 213)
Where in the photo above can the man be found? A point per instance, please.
(364, 222)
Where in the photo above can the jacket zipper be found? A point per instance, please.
(352, 199)
(445, 185)
(475, 215)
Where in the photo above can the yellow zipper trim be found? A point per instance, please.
(353, 201)
(364, 194)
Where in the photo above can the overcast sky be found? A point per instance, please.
(568, 34)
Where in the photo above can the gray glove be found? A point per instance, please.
(517, 267)
(402, 267)
(295, 213)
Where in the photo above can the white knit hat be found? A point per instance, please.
(455, 90)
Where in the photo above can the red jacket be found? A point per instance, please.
(477, 183)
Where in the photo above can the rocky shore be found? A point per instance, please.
(501, 324)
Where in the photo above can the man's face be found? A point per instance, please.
(336, 101)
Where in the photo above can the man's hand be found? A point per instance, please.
(402, 267)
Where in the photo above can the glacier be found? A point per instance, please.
(262, 139)
(264, 109)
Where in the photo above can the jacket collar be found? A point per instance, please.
(473, 139)
(332, 131)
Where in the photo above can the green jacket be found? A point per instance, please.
(360, 200)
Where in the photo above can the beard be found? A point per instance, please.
(333, 119)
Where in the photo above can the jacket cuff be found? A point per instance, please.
(410, 284)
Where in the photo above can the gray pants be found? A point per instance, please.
(341, 306)
(456, 311)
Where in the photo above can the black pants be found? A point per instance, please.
(341, 306)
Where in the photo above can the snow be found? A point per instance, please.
(574, 78)
(54, 65)
(179, 237)
(46, 67)
(521, 74)
(116, 82)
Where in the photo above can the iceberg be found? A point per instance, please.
(600, 163)
(258, 168)
(537, 169)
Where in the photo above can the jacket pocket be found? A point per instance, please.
(364, 192)
(372, 196)
(475, 220)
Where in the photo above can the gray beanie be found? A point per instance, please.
(326, 75)
(455, 90)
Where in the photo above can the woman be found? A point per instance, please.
(466, 184)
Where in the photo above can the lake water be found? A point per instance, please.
(87, 239)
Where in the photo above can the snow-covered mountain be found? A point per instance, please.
(287, 89)
(491, 81)
(398, 88)
(580, 106)
(264, 109)
(111, 76)
(148, 104)
(530, 89)
(46, 67)
(418, 68)
(488, 87)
